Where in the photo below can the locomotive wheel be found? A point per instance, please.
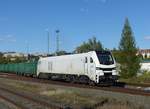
(83, 79)
(91, 83)
(71, 78)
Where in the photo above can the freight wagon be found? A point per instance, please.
(26, 68)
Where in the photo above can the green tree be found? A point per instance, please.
(115, 53)
(130, 62)
(62, 52)
(90, 45)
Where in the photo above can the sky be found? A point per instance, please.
(24, 24)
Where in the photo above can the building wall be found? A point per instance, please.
(13, 55)
(145, 53)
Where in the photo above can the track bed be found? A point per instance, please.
(76, 96)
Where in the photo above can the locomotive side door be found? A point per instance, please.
(91, 66)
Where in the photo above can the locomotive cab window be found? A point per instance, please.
(91, 60)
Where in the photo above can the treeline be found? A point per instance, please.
(16, 59)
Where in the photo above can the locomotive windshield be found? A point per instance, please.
(105, 58)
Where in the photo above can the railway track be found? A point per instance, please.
(17, 105)
(23, 101)
(119, 89)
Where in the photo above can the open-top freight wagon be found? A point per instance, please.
(25, 68)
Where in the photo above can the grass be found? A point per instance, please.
(118, 106)
(85, 101)
(71, 97)
(115, 104)
(143, 78)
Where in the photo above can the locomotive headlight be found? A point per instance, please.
(101, 73)
(114, 72)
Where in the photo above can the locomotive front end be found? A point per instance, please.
(106, 69)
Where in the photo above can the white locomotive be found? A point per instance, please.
(92, 67)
